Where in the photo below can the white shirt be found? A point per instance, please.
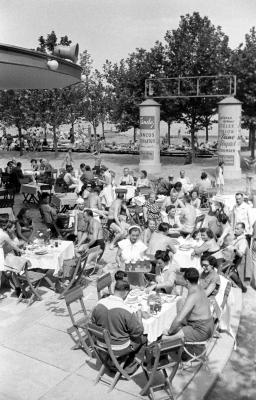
(242, 213)
(132, 252)
(128, 180)
(240, 243)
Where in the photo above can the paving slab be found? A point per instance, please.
(48, 345)
(24, 378)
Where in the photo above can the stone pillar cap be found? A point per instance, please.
(149, 102)
(230, 100)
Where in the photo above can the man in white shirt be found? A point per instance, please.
(242, 213)
(186, 184)
(126, 179)
(240, 247)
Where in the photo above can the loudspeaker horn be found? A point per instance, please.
(68, 52)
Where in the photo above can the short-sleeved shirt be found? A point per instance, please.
(130, 251)
(208, 279)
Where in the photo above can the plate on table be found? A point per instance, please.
(41, 252)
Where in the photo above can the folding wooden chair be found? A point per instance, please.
(100, 342)
(29, 282)
(159, 357)
(77, 331)
(104, 282)
(198, 223)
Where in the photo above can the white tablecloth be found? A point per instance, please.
(9, 211)
(54, 258)
(31, 188)
(64, 199)
(154, 326)
(183, 259)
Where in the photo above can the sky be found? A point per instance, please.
(111, 29)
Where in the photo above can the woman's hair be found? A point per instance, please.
(177, 185)
(144, 173)
(163, 227)
(194, 191)
(162, 255)
(195, 233)
(203, 175)
(170, 207)
(208, 232)
(212, 261)
(22, 212)
(223, 218)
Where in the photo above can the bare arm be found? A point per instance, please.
(19, 234)
(186, 310)
(210, 289)
(119, 257)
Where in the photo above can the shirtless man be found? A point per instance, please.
(94, 235)
(194, 323)
(115, 209)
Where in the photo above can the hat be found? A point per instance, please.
(134, 227)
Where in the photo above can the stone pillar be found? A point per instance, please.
(150, 136)
(229, 133)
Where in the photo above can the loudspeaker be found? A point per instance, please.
(68, 52)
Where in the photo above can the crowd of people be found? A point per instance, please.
(145, 225)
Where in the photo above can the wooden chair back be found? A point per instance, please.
(199, 222)
(79, 318)
(136, 278)
(104, 282)
(159, 357)
(101, 343)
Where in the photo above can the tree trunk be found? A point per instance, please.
(252, 142)
(55, 140)
(193, 142)
(207, 133)
(169, 133)
(250, 139)
(45, 136)
(134, 134)
(20, 140)
(71, 132)
(103, 127)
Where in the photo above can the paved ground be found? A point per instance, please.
(238, 378)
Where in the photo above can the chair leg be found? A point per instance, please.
(114, 382)
(101, 372)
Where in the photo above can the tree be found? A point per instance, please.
(17, 108)
(50, 42)
(196, 48)
(243, 62)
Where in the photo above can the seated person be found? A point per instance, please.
(143, 180)
(160, 240)
(46, 167)
(125, 328)
(49, 213)
(126, 179)
(9, 167)
(209, 246)
(151, 210)
(93, 234)
(34, 164)
(120, 231)
(185, 181)
(163, 187)
(165, 272)
(172, 219)
(209, 278)
(187, 216)
(177, 187)
(94, 200)
(204, 184)
(115, 209)
(87, 175)
(131, 249)
(194, 323)
(69, 178)
(172, 201)
(148, 232)
(195, 201)
(24, 225)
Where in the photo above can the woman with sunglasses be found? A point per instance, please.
(209, 279)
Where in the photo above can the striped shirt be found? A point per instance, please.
(113, 314)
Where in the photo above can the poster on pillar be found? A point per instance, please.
(148, 138)
(229, 135)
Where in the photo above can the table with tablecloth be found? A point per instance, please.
(182, 258)
(157, 323)
(64, 200)
(53, 259)
(7, 211)
(31, 192)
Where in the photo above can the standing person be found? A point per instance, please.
(68, 160)
(4, 238)
(15, 177)
(219, 176)
(242, 213)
